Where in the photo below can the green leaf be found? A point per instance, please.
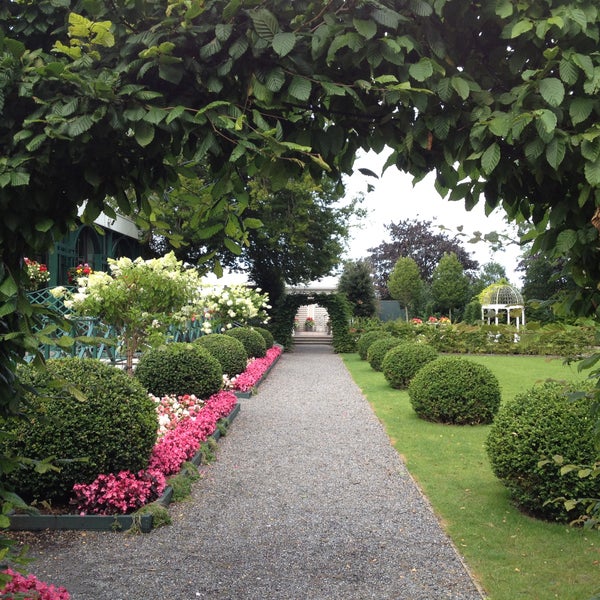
(461, 86)
(19, 178)
(422, 70)
(534, 149)
(251, 223)
(500, 125)
(144, 133)
(232, 246)
(175, 113)
(552, 91)
(231, 9)
(265, 23)
(387, 17)
(44, 225)
(504, 8)
(568, 71)
(368, 29)
(223, 32)
(9, 287)
(209, 232)
(585, 63)
(580, 109)
(283, 43)
(444, 89)
(80, 125)
(555, 152)
(490, 158)
(173, 73)
(275, 79)
(421, 8)
(521, 27)
(300, 88)
(548, 120)
(566, 240)
(155, 115)
(592, 173)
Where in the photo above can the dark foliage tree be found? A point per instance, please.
(418, 240)
(356, 283)
(545, 284)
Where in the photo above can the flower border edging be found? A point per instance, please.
(105, 522)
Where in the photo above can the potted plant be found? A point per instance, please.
(309, 324)
(37, 273)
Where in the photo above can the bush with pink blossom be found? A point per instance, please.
(22, 584)
(189, 424)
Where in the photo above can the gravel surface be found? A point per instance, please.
(307, 500)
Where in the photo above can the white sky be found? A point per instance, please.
(395, 199)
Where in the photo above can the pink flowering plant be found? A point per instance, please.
(256, 368)
(172, 409)
(121, 493)
(189, 423)
(416, 321)
(29, 587)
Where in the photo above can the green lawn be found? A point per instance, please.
(512, 556)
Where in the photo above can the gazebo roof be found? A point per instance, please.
(502, 295)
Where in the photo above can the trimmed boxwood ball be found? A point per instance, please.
(541, 423)
(230, 353)
(378, 349)
(366, 339)
(113, 425)
(254, 343)
(269, 339)
(402, 363)
(180, 368)
(455, 391)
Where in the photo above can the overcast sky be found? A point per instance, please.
(395, 199)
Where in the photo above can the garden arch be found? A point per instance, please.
(337, 306)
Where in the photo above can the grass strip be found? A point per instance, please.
(511, 555)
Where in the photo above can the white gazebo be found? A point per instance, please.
(502, 304)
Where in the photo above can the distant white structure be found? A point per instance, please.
(503, 304)
(319, 314)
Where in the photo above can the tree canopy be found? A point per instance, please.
(405, 283)
(109, 99)
(417, 240)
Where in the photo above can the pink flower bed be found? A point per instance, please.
(245, 381)
(186, 430)
(21, 584)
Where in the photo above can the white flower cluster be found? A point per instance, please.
(233, 304)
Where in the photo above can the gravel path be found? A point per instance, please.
(307, 500)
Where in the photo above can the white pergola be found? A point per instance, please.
(503, 304)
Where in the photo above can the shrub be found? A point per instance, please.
(541, 423)
(253, 342)
(230, 353)
(269, 339)
(113, 426)
(455, 390)
(366, 339)
(378, 349)
(401, 363)
(178, 369)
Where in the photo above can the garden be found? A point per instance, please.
(111, 446)
(503, 445)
